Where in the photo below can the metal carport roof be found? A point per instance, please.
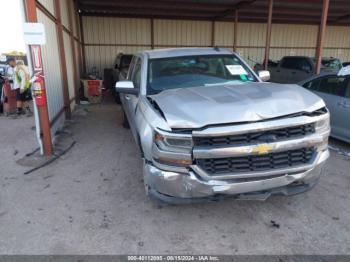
(284, 11)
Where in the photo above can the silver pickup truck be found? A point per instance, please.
(208, 127)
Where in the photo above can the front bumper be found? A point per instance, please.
(177, 187)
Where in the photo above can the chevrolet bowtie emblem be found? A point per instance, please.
(262, 149)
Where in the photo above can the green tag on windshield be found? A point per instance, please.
(243, 77)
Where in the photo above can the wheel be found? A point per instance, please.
(125, 121)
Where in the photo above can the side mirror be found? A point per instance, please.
(126, 87)
(264, 75)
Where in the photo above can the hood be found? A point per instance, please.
(197, 107)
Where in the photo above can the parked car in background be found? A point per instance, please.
(293, 69)
(335, 91)
(117, 73)
(207, 127)
(122, 64)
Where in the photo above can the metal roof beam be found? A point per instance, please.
(231, 10)
(156, 4)
(147, 9)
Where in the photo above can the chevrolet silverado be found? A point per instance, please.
(208, 127)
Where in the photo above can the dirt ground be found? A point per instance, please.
(92, 201)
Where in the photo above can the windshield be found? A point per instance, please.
(194, 71)
(330, 64)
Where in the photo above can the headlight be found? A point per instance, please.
(172, 149)
(173, 142)
(323, 125)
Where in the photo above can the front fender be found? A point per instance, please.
(147, 119)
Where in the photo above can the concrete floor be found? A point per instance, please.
(92, 201)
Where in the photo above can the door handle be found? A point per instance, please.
(127, 97)
(293, 73)
(278, 71)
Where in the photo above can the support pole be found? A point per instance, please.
(235, 32)
(321, 35)
(75, 71)
(31, 16)
(213, 33)
(82, 43)
(152, 33)
(63, 63)
(268, 35)
(77, 26)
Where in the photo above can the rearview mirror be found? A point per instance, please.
(264, 75)
(126, 87)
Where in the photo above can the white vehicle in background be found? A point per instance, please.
(209, 127)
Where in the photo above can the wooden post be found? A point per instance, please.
(63, 63)
(31, 16)
(321, 35)
(235, 32)
(268, 35)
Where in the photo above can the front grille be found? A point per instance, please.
(257, 137)
(251, 163)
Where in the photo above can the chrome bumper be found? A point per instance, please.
(190, 185)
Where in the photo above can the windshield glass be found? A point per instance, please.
(193, 71)
(330, 64)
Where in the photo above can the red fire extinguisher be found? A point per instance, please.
(39, 91)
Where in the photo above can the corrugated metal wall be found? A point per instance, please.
(337, 42)
(52, 63)
(49, 5)
(52, 71)
(168, 33)
(224, 34)
(105, 37)
(70, 66)
(65, 9)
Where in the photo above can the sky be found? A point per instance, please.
(11, 32)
